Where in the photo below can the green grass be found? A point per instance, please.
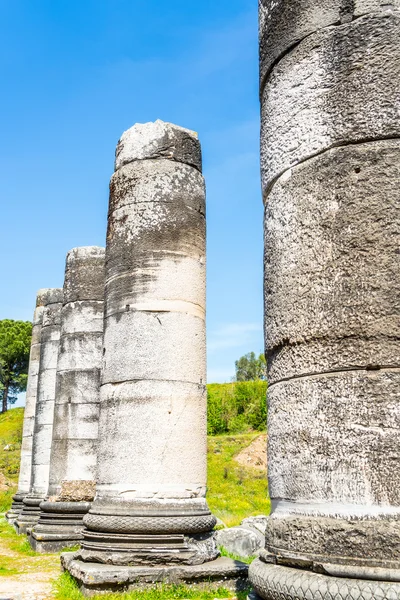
(65, 588)
(234, 492)
(6, 498)
(244, 559)
(11, 435)
(17, 556)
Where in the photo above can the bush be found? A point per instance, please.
(236, 407)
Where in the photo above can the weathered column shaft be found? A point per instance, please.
(24, 481)
(50, 338)
(330, 154)
(152, 450)
(76, 413)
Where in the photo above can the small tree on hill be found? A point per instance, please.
(251, 368)
(15, 343)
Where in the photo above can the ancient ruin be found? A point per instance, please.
(73, 458)
(25, 467)
(49, 345)
(150, 520)
(330, 154)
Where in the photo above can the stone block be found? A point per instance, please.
(334, 257)
(284, 24)
(95, 578)
(339, 86)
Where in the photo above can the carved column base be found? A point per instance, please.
(94, 578)
(60, 526)
(29, 515)
(272, 581)
(147, 549)
(16, 507)
(149, 533)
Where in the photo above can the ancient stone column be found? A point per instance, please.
(50, 339)
(150, 510)
(76, 411)
(330, 153)
(24, 481)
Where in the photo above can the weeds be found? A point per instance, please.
(65, 588)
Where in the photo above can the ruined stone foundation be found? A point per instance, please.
(330, 154)
(150, 520)
(73, 456)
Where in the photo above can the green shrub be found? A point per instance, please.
(236, 407)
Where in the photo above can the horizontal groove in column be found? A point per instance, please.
(331, 147)
(383, 369)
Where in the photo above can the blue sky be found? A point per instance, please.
(75, 75)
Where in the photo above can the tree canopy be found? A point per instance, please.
(251, 368)
(15, 343)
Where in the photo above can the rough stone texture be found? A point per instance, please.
(24, 481)
(330, 160)
(240, 541)
(323, 245)
(345, 466)
(77, 491)
(151, 509)
(158, 140)
(283, 583)
(97, 578)
(340, 85)
(76, 412)
(50, 341)
(284, 24)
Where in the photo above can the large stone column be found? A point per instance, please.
(76, 411)
(50, 339)
(24, 481)
(330, 153)
(150, 511)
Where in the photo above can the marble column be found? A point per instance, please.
(76, 412)
(150, 511)
(50, 339)
(24, 481)
(330, 154)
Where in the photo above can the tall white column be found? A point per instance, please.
(49, 346)
(73, 458)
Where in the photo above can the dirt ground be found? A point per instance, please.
(33, 577)
(30, 586)
(254, 455)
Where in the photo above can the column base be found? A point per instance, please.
(146, 549)
(29, 515)
(149, 532)
(271, 581)
(59, 527)
(94, 578)
(16, 507)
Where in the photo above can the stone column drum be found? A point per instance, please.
(76, 411)
(330, 154)
(24, 481)
(150, 507)
(50, 339)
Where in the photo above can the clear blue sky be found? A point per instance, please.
(75, 75)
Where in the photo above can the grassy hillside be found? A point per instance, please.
(234, 491)
(10, 442)
(10, 450)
